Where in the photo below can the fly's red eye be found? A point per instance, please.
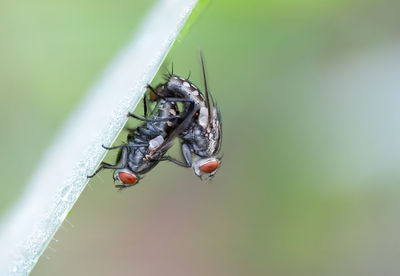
(209, 167)
(127, 178)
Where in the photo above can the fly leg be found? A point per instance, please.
(178, 100)
(145, 110)
(187, 156)
(156, 95)
(153, 120)
(111, 148)
(173, 160)
(145, 106)
(124, 145)
(103, 165)
(161, 119)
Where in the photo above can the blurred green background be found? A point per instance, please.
(309, 94)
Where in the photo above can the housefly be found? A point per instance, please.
(147, 144)
(201, 139)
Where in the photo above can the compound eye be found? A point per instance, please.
(209, 167)
(127, 178)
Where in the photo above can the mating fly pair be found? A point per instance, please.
(198, 126)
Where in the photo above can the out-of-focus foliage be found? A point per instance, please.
(309, 181)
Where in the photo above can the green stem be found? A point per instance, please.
(60, 178)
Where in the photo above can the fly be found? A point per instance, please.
(146, 144)
(203, 135)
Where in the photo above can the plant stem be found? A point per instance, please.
(61, 176)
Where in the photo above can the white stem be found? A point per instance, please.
(61, 176)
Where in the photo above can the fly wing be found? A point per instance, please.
(191, 111)
(205, 87)
(216, 131)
